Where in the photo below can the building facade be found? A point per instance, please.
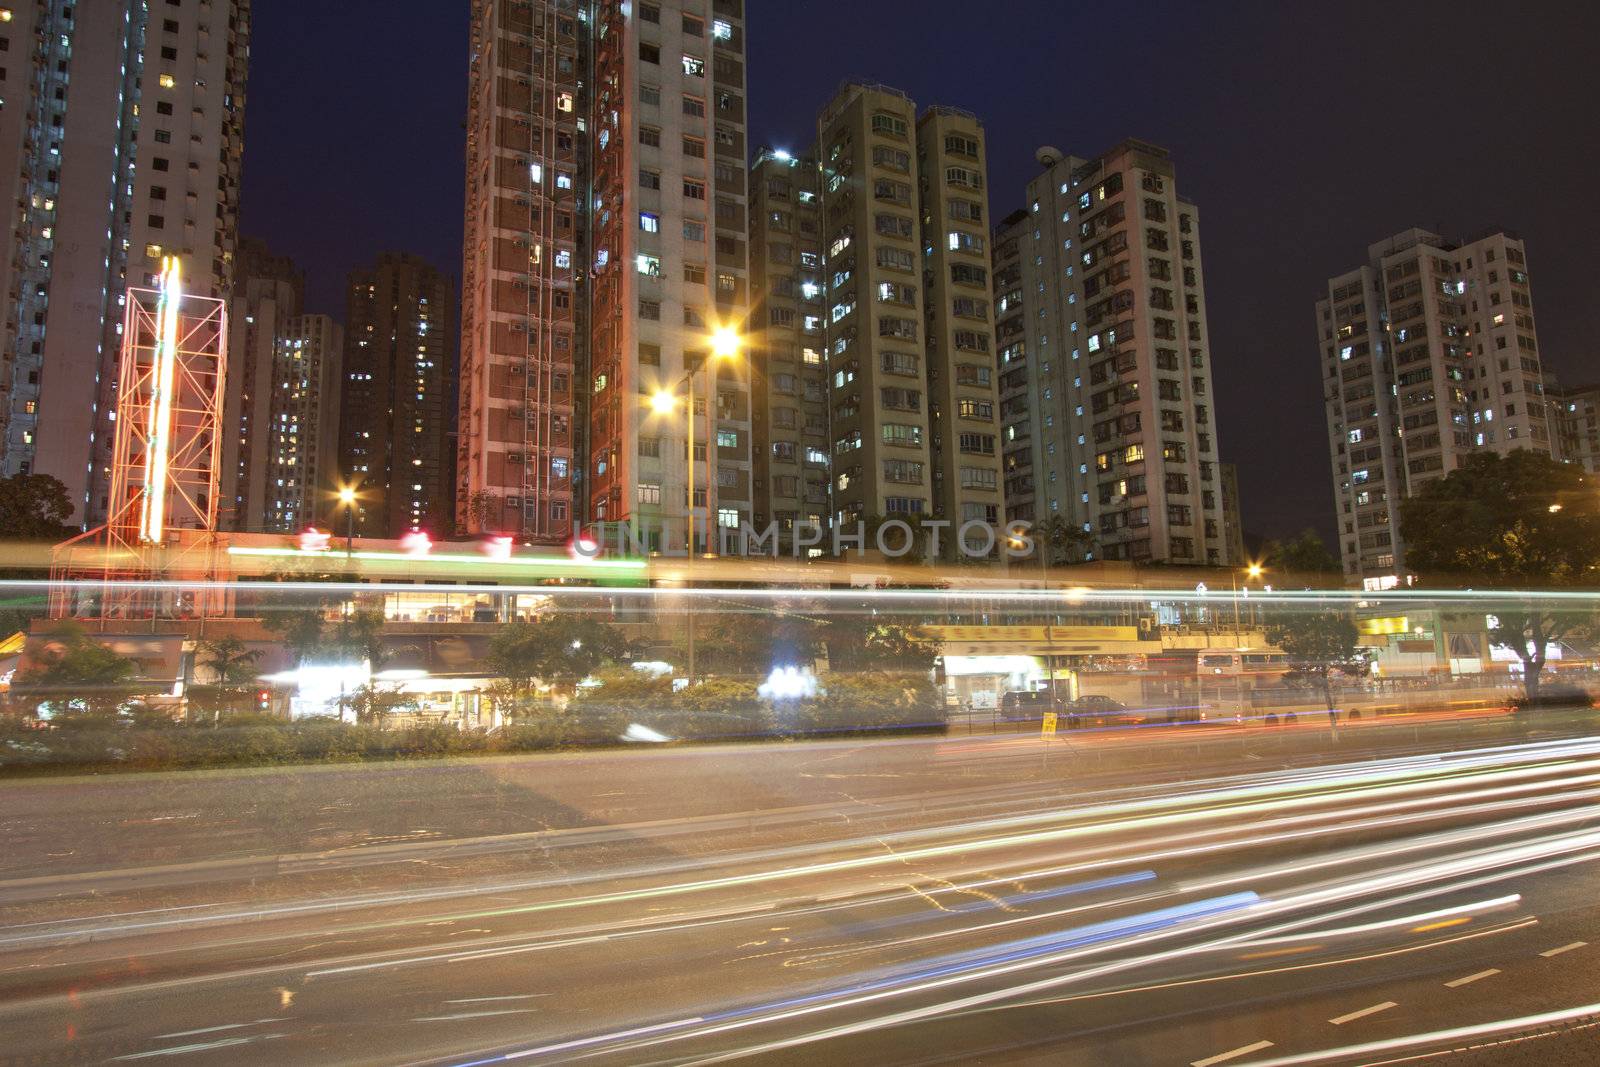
(963, 397)
(396, 407)
(302, 476)
(268, 295)
(788, 370)
(1575, 418)
(121, 141)
(605, 248)
(1428, 353)
(1104, 359)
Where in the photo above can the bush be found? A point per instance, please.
(1555, 695)
(869, 704)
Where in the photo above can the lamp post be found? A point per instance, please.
(724, 345)
(347, 497)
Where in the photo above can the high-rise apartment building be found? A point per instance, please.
(878, 326)
(605, 246)
(1575, 417)
(268, 294)
(1104, 359)
(1428, 353)
(963, 397)
(302, 475)
(788, 369)
(121, 139)
(396, 408)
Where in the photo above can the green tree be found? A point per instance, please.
(232, 667)
(1304, 560)
(372, 704)
(862, 637)
(299, 629)
(78, 674)
(559, 650)
(1521, 521)
(1320, 643)
(357, 636)
(1061, 541)
(34, 507)
(755, 643)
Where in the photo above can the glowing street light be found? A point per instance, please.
(724, 342)
(347, 497)
(662, 402)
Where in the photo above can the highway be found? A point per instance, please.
(1197, 895)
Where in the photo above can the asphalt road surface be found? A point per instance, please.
(1185, 895)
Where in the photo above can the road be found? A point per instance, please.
(1183, 895)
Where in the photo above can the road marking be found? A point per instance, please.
(1362, 1014)
(1242, 1050)
(1472, 977)
(1547, 953)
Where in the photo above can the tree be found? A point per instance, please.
(754, 644)
(860, 637)
(484, 511)
(559, 650)
(34, 507)
(299, 629)
(358, 636)
(1062, 541)
(233, 671)
(1320, 643)
(78, 674)
(372, 704)
(1521, 521)
(1303, 557)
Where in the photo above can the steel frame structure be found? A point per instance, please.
(165, 464)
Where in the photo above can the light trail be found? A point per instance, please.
(1586, 1014)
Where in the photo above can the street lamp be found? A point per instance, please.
(347, 497)
(725, 344)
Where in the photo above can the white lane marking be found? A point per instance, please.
(213, 1029)
(638, 1031)
(1363, 1013)
(1547, 953)
(1242, 1050)
(207, 1046)
(1472, 978)
(472, 1015)
(480, 1000)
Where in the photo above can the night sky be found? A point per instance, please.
(1303, 133)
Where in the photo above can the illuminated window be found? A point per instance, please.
(167, 81)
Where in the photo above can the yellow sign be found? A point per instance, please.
(1048, 729)
(1393, 624)
(1033, 634)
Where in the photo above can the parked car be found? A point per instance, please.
(1024, 703)
(1101, 711)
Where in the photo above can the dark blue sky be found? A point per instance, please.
(1303, 133)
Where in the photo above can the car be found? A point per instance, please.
(1094, 710)
(1025, 702)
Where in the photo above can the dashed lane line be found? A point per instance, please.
(1547, 953)
(1472, 978)
(1362, 1014)
(1223, 1057)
